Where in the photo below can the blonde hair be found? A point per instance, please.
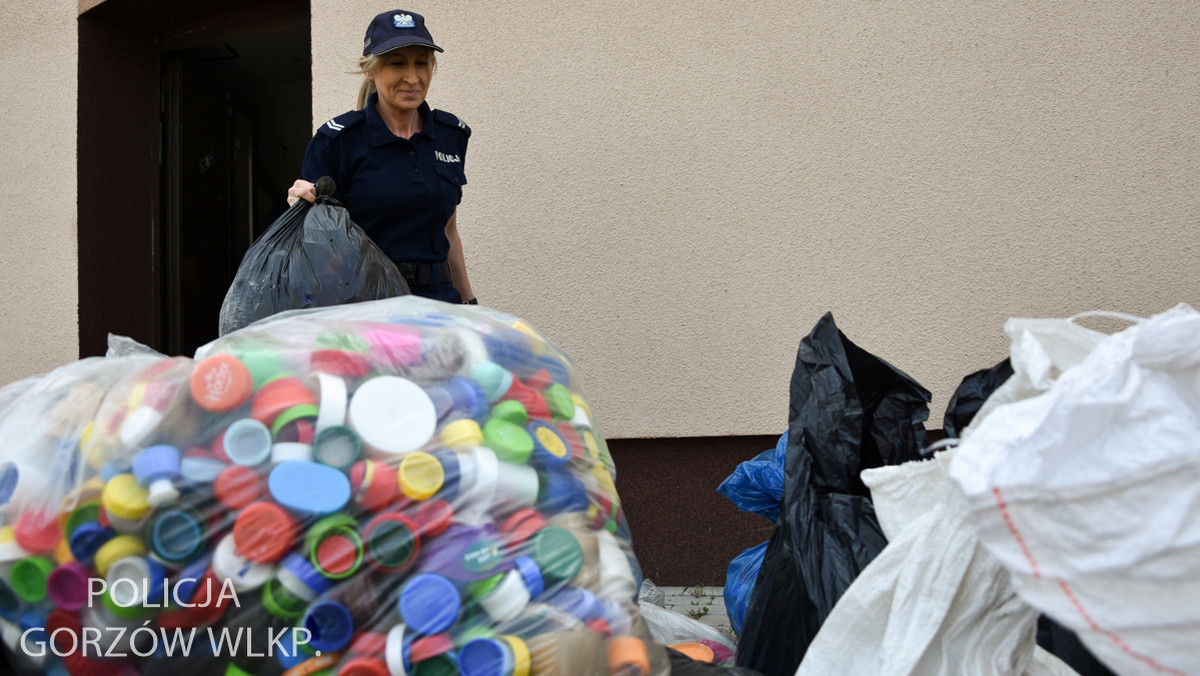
(370, 64)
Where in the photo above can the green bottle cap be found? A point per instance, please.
(557, 554)
(88, 511)
(28, 578)
(512, 411)
(510, 442)
(558, 399)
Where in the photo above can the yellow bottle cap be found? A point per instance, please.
(589, 442)
(464, 432)
(421, 475)
(7, 535)
(124, 498)
(118, 548)
(62, 552)
(522, 661)
(539, 343)
(137, 395)
(605, 479)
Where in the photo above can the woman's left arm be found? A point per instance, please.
(458, 265)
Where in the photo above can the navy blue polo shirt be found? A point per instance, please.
(400, 191)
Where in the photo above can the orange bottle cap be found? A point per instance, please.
(220, 383)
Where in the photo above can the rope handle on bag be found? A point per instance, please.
(1132, 319)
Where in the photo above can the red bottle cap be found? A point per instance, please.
(531, 399)
(64, 619)
(208, 606)
(77, 664)
(539, 380)
(220, 383)
(269, 405)
(264, 532)
(521, 525)
(299, 431)
(433, 517)
(369, 643)
(340, 363)
(430, 646)
(600, 626)
(337, 555)
(37, 531)
(375, 485)
(578, 448)
(237, 486)
(277, 384)
(364, 666)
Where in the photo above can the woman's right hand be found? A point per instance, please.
(301, 189)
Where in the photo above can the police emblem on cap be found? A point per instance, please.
(403, 21)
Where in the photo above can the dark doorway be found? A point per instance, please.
(193, 119)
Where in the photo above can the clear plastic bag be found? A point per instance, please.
(311, 256)
(398, 486)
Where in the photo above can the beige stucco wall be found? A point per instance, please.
(675, 192)
(38, 298)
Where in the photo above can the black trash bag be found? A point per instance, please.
(311, 256)
(964, 404)
(849, 411)
(970, 395)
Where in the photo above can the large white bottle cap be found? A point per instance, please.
(332, 392)
(392, 415)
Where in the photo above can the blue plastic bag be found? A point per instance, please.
(739, 583)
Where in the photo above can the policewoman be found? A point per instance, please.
(398, 164)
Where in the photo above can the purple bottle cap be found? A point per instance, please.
(429, 603)
(466, 553)
(67, 585)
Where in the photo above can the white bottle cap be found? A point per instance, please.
(507, 599)
(392, 415)
(480, 494)
(616, 580)
(242, 573)
(394, 651)
(516, 487)
(161, 492)
(332, 392)
(247, 442)
(138, 425)
(283, 451)
(127, 526)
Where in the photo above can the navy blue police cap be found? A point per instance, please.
(395, 29)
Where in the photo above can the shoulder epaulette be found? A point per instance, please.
(451, 120)
(336, 125)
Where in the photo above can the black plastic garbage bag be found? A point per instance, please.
(849, 411)
(311, 256)
(970, 395)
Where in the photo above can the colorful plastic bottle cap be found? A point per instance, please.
(494, 379)
(557, 553)
(293, 414)
(137, 426)
(241, 572)
(392, 415)
(628, 654)
(220, 383)
(516, 486)
(331, 393)
(67, 585)
(561, 491)
(330, 624)
(301, 431)
(21, 484)
(577, 601)
(87, 539)
(396, 652)
(155, 467)
(510, 442)
(364, 666)
(88, 511)
(237, 486)
(301, 578)
(560, 402)
(37, 531)
(583, 414)
(200, 466)
(530, 398)
(427, 647)
(421, 475)
(512, 411)
(282, 451)
(270, 404)
(115, 549)
(445, 664)
(280, 602)
(309, 488)
(522, 660)
(451, 472)
(375, 484)
(337, 446)
(550, 449)
(394, 345)
(28, 578)
(339, 556)
(264, 532)
(392, 542)
(507, 599)
(460, 433)
(433, 517)
(590, 443)
(694, 650)
(429, 603)
(340, 363)
(531, 575)
(134, 580)
(521, 525)
(177, 535)
(485, 657)
(247, 442)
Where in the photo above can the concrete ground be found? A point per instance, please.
(705, 604)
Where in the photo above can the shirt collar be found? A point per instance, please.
(377, 130)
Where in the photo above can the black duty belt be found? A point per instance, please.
(424, 274)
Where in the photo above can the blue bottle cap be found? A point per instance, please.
(550, 449)
(561, 491)
(306, 574)
(247, 442)
(578, 601)
(177, 535)
(451, 473)
(429, 603)
(288, 652)
(200, 468)
(111, 469)
(185, 582)
(33, 621)
(155, 462)
(469, 398)
(87, 539)
(309, 488)
(485, 657)
(510, 349)
(331, 626)
(532, 575)
(558, 370)
(10, 476)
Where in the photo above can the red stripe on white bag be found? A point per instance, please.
(1012, 528)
